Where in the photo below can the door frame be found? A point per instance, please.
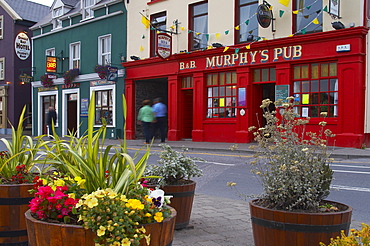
(65, 93)
(40, 124)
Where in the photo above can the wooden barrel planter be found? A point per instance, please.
(286, 228)
(14, 200)
(41, 233)
(182, 201)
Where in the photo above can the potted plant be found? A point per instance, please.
(70, 75)
(175, 170)
(20, 166)
(293, 167)
(115, 209)
(101, 70)
(46, 81)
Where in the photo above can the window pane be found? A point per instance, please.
(265, 74)
(324, 98)
(305, 16)
(305, 86)
(315, 98)
(324, 85)
(272, 74)
(315, 71)
(297, 86)
(256, 75)
(222, 78)
(314, 85)
(314, 111)
(324, 70)
(333, 69)
(297, 72)
(333, 84)
(200, 9)
(305, 72)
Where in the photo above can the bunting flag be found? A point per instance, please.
(325, 9)
(182, 28)
(295, 12)
(227, 32)
(291, 35)
(248, 47)
(285, 2)
(316, 21)
(226, 48)
(247, 22)
(237, 28)
(306, 16)
(172, 27)
(281, 12)
(142, 37)
(141, 48)
(145, 21)
(270, 8)
(308, 7)
(237, 50)
(189, 31)
(209, 47)
(217, 36)
(198, 33)
(207, 37)
(303, 31)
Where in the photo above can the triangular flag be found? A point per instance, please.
(248, 47)
(226, 48)
(237, 50)
(303, 31)
(325, 9)
(209, 47)
(308, 7)
(237, 28)
(189, 31)
(258, 38)
(318, 11)
(143, 36)
(291, 35)
(247, 22)
(295, 12)
(198, 33)
(158, 32)
(306, 16)
(141, 48)
(217, 36)
(207, 37)
(270, 8)
(284, 2)
(145, 21)
(182, 28)
(250, 32)
(315, 21)
(152, 28)
(172, 27)
(227, 32)
(281, 12)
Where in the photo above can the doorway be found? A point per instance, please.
(72, 113)
(47, 101)
(261, 92)
(187, 116)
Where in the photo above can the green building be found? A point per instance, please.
(77, 51)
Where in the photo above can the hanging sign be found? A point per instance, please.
(334, 7)
(164, 45)
(22, 46)
(25, 78)
(264, 15)
(51, 64)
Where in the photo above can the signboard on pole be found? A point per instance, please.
(164, 45)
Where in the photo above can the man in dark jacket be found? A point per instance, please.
(51, 118)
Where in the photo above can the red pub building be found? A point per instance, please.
(214, 95)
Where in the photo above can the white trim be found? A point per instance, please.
(78, 45)
(65, 93)
(2, 60)
(13, 14)
(107, 87)
(50, 52)
(2, 26)
(39, 106)
(101, 39)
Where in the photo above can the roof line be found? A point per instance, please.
(10, 11)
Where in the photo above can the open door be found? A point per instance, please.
(187, 115)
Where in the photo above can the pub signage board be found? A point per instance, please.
(164, 45)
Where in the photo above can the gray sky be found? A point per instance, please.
(45, 2)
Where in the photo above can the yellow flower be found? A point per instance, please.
(101, 231)
(158, 217)
(126, 242)
(44, 181)
(59, 182)
(147, 238)
(91, 202)
(147, 215)
(80, 181)
(55, 173)
(134, 204)
(99, 193)
(123, 198)
(72, 195)
(142, 229)
(116, 243)
(110, 193)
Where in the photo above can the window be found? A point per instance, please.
(316, 89)
(2, 68)
(57, 23)
(247, 20)
(158, 22)
(57, 12)
(88, 12)
(198, 25)
(264, 75)
(187, 82)
(104, 50)
(103, 107)
(221, 95)
(1, 26)
(308, 11)
(74, 55)
(50, 52)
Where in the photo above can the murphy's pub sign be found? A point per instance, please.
(249, 57)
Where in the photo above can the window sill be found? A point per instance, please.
(154, 1)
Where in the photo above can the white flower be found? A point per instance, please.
(158, 194)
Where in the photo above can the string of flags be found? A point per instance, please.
(147, 24)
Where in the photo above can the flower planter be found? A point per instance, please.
(14, 200)
(278, 228)
(182, 201)
(41, 233)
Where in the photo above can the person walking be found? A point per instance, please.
(146, 117)
(160, 113)
(51, 118)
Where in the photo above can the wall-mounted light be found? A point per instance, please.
(337, 25)
(135, 58)
(217, 45)
(22, 83)
(8, 82)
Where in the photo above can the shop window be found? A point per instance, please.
(221, 95)
(103, 107)
(187, 82)
(1, 26)
(158, 24)
(315, 89)
(309, 16)
(246, 20)
(2, 68)
(104, 50)
(198, 26)
(264, 75)
(74, 54)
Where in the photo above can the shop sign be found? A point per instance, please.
(51, 64)
(112, 74)
(26, 78)
(101, 82)
(343, 48)
(84, 107)
(264, 15)
(334, 7)
(53, 88)
(164, 45)
(71, 85)
(22, 46)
